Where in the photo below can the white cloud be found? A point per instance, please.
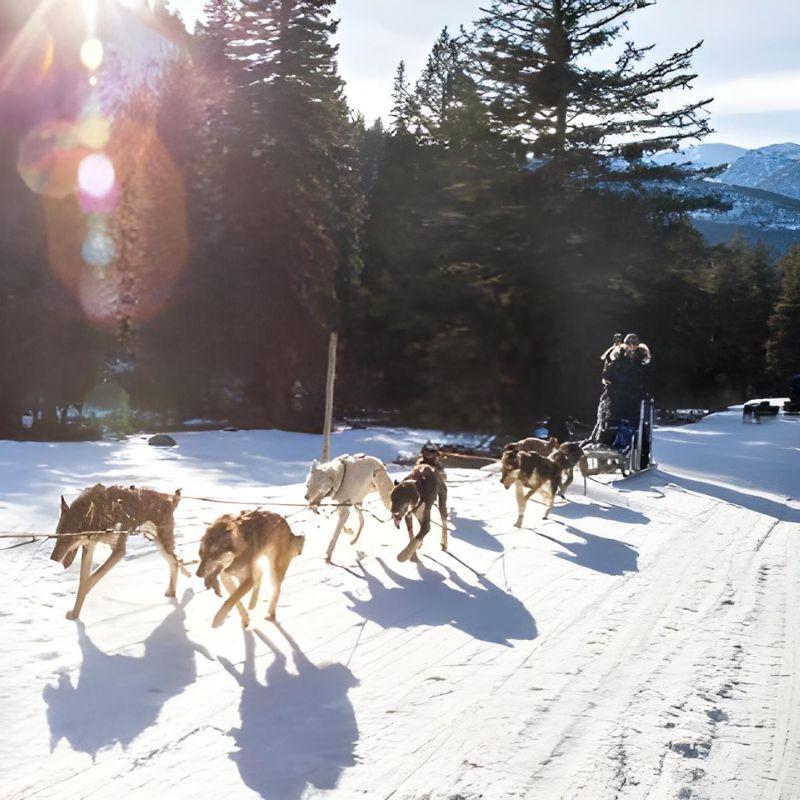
(771, 91)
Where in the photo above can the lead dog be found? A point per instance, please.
(533, 472)
(347, 480)
(415, 496)
(108, 514)
(231, 547)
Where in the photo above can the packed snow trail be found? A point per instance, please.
(641, 643)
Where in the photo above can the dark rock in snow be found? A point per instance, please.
(162, 440)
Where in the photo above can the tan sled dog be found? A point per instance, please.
(231, 548)
(532, 472)
(533, 445)
(108, 514)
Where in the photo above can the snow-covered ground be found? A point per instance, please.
(642, 643)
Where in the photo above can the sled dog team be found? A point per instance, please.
(233, 546)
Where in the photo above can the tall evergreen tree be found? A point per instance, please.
(731, 341)
(403, 104)
(282, 173)
(783, 347)
(545, 94)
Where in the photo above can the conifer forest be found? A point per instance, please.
(475, 251)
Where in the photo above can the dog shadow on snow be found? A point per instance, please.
(117, 697)
(297, 728)
(598, 553)
(480, 609)
(474, 533)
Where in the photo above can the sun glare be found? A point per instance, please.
(92, 54)
(90, 12)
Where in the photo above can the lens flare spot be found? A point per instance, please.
(48, 160)
(92, 54)
(47, 59)
(94, 132)
(98, 249)
(147, 227)
(98, 205)
(96, 175)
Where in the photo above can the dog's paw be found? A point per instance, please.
(217, 622)
(518, 524)
(168, 593)
(71, 615)
(270, 617)
(246, 622)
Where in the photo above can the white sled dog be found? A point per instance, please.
(347, 480)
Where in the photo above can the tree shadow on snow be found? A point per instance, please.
(117, 697)
(609, 556)
(473, 532)
(296, 730)
(480, 609)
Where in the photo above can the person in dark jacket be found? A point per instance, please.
(614, 350)
(624, 388)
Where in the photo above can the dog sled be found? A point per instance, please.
(625, 449)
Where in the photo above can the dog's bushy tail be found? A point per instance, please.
(176, 498)
(383, 483)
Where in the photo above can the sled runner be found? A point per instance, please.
(623, 448)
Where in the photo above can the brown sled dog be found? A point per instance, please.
(108, 514)
(231, 548)
(415, 496)
(533, 445)
(433, 456)
(571, 453)
(532, 472)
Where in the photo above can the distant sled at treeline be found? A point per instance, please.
(754, 410)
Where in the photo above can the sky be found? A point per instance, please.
(748, 61)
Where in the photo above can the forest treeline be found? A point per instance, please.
(475, 252)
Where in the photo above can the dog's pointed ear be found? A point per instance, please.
(64, 506)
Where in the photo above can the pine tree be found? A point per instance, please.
(292, 197)
(544, 95)
(403, 104)
(783, 347)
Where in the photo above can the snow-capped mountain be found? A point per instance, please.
(775, 168)
(702, 155)
(762, 187)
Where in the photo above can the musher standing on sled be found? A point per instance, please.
(624, 388)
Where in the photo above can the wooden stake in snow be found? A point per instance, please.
(326, 429)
